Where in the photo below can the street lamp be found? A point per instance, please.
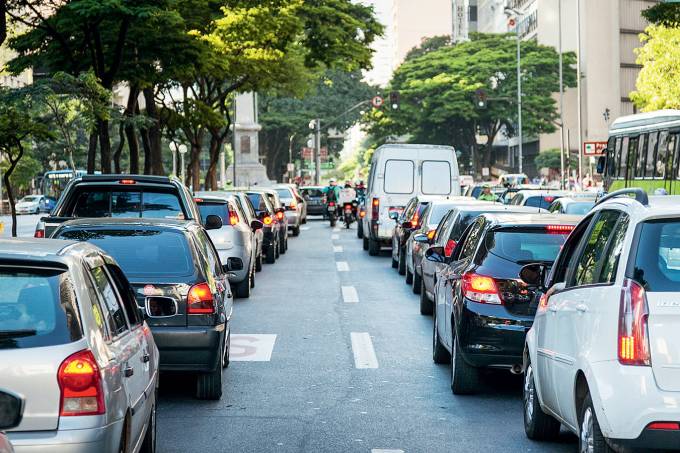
(290, 157)
(173, 149)
(182, 151)
(519, 15)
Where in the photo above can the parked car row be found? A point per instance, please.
(581, 300)
(129, 276)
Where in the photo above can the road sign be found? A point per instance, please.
(594, 148)
(377, 102)
(290, 168)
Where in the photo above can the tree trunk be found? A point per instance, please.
(8, 186)
(92, 151)
(104, 146)
(147, 150)
(119, 149)
(130, 133)
(216, 141)
(155, 138)
(194, 170)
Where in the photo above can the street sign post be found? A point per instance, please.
(377, 102)
(594, 148)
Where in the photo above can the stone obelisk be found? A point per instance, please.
(249, 170)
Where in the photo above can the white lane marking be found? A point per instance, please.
(350, 295)
(343, 266)
(335, 237)
(304, 228)
(364, 354)
(337, 249)
(382, 450)
(336, 230)
(251, 348)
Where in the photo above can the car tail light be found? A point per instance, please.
(430, 234)
(549, 199)
(233, 218)
(348, 208)
(331, 204)
(362, 213)
(375, 208)
(39, 234)
(633, 331)
(267, 220)
(81, 385)
(127, 182)
(292, 205)
(414, 220)
(279, 215)
(198, 200)
(482, 289)
(448, 248)
(559, 229)
(200, 300)
(664, 426)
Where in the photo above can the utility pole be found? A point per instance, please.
(317, 153)
(579, 89)
(519, 98)
(290, 157)
(559, 16)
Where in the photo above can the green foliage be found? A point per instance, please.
(658, 83)
(550, 158)
(428, 45)
(24, 173)
(666, 14)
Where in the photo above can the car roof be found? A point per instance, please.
(513, 219)
(658, 206)
(542, 192)
(136, 178)
(32, 249)
(131, 222)
(488, 206)
(214, 196)
(570, 199)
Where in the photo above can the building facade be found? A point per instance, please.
(414, 21)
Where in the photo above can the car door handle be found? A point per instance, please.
(582, 308)
(128, 371)
(146, 358)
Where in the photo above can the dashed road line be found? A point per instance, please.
(350, 295)
(305, 228)
(337, 249)
(336, 230)
(362, 348)
(343, 266)
(382, 450)
(335, 237)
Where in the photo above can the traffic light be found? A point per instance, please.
(481, 99)
(394, 100)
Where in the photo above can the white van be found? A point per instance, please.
(398, 173)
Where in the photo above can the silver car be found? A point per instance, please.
(235, 241)
(75, 347)
(295, 205)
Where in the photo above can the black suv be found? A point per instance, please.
(172, 261)
(482, 308)
(123, 196)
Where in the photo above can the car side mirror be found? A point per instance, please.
(436, 254)
(421, 238)
(407, 225)
(11, 410)
(601, 162)
(160, 307)
(213, 222)
(534, 274)
(256, 225)
(394, 215)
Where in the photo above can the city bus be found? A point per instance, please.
(642, 151)
(54, 182)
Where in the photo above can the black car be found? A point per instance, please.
(482, 308)
(316, 200)
(172, 259)
(123, 196)
(409, 221)
(266, 213)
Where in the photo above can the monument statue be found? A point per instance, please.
(249, 170)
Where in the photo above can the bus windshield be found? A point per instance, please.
(54, 182)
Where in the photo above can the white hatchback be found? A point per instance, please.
(603, 355)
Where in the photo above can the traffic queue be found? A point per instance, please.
(127, 277)
(576, 291)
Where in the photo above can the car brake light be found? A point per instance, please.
(664, 426)
(267, 220)
(292, 205)
(200, 300)
(375, 208)
(39, 234)
(127, 182)
(414, 220)
(549, 199)
(362, 213)
(482, 289)
(559, 229)
(430, 234)
(233, 218)
(81, 385)
(449, 247)
(198, 200)
(279, 215)
(331, 204)
(633, 331)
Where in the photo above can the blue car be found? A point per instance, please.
(47, 204)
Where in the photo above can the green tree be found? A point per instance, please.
(667, 14)
(658, 83)
(550, 158)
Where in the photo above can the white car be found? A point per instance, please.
(603, 355)
(30, 204)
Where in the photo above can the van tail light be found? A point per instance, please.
(430, 234)
(233, 218)
(267, 220)
(375, 208)
(415, 220)
(200, 300)
(39, 234)
(449, 247)
(633, 330)
(482, 289)
(81, 385)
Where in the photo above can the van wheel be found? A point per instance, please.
(271, 254)
(590, 435)
(373, 247)
(417, 282)
(464, 377)
(425, 302)
(537, 424)
(402, 262)
(365, 243)
(149, 442)
(209, 385)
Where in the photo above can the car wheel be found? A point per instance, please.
(590, 436)
(258, 263)
(373, 247)
(537, 424)
(252, 278)
(277, 249)
(365, 243)
(395, 263)
(209, 385)
(439, 352)
(271, 254)
(122, 445)
(227, 352)
(282, 247)
(242, 289)
(425, 302)
(402, 262)
(409, 276)
(286, 245)
(360, 230)
(464, 377)
(149, 442)
(296, 231)
(417, 282)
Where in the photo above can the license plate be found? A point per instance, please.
(398, 209)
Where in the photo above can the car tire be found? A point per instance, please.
(402, 262)
(425, 302)
(149, 442)
(417, 282)
(271, 254)
(537, 424)
(439, 353)
(286, 245)
(242, 288)
(365, 243)
(209, 385)
(282, 247)
(373, 247)
(252, 278)
(122, 444)
(464, 377)
(590, 433)
(277, 250)
(395, 263)
(360, 229)
(409, 276)
(258, 263)
(296, 231)
(227, 352)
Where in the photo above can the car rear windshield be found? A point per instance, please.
(438, 212)
(105, 202)
(258, 201)
(285, 194)
(29, 199)
(37, 308)
(579, 207)
(657, 260)
(141, 252)
(313, 193)
(220, 209)
(524, 246)
(543, 202)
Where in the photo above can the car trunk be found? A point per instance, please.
(176, 291)
(664, 338)
(518, 299)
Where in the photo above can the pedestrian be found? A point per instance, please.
(486, 194)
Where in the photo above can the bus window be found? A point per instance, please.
(651, 154)
(622, 157)
(641, 156)
(628, 172)
(662, 155)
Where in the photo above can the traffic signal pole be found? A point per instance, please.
(317, 153)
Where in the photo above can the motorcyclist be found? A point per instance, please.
(361, 190)
(486, 194)
(332, 192)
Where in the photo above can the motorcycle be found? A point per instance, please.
(349, 213)
(332, 213)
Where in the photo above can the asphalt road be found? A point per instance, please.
(309, 395)
(25, 225)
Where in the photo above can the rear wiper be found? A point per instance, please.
(545, 262)
(17, 333)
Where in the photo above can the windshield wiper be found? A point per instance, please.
(17, 333)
